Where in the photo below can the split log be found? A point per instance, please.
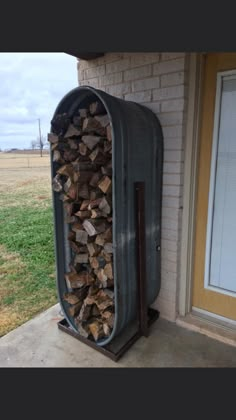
(75, 280)
(100, 240)
(107, 257)
(73, 144)
(83, 149)
(74, 309)
(85, 312)
(83, 191)
(82, 328)
(66, 170)
(81, 236)
(93, 249)
(72, 131)
(94, 203)
(109, 317)
(70, 219)
(108, 271)
(90, 141)
(95, 179)
(107, 146)
(97, 214)
(76, 248)
(73, 192)
(94, 227)
(104, 206)
(109, 133)
(103, 120)
(53, 138)
(96, 108)
(105, 184)
(71, 298)
(57, 156)
(91, 125)
(70, 155)
(81, 258)
(56, 184)
(60, 124)
(84, 205)
(97, 156)
(106, 329)
(54, 146)
(108, 248)
(107, 170)
(96, 329)
(83, 112)
(83, 214)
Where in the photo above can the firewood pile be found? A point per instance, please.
(82, 157)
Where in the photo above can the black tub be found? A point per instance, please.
(137, 157)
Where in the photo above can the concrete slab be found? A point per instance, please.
(39, 343)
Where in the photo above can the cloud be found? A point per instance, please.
(31, 86)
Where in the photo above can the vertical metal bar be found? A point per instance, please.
(141, 257)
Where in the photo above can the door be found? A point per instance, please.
(214, 273)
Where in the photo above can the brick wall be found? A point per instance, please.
(159, 81)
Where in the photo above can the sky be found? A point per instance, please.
(31, 85)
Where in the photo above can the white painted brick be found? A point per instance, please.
(154, 106)
(171, 66)
(171, 213)
(169, 245)
(173, 105)
(170, 202)
(173, 79)
(172, 190)
(168, 295)
(118, 90)
(170, 234)
(145, 84)
(173, 167)
(94, 72)
(139, 59)
(172, 179)
(170, 118)
(117, 66)
(168, 276)
(111, 79)
(169, 255)
(169, 224)
(173, 156)
(166, 308)
(173, 131)
(173, 144)
(139, 96)
(171, 56)
(137, 73)
(167, 93)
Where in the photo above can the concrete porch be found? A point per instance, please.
(39, 343)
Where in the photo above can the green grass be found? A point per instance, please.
(27, 263)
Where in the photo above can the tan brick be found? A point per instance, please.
(139, 59)
(168, 276)
(173, 79)
(120, 89)
(167, 93)
(168, 295)
(137, 73)
(94, 72)
(145, 84)
(111, 79)
(139, 96)
(166, 308)
(171, 66)
(169, 255)
(171, 56)
(118, 66)
(95, 82)
(170, 234)
(173, 105)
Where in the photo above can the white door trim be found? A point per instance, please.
(196, 64)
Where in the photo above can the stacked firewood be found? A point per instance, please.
(82, 157)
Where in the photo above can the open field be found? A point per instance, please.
(27, 268)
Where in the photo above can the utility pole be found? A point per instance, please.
(40, 139)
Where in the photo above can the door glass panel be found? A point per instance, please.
(222, 255)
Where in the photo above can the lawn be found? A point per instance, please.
(27, 263)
